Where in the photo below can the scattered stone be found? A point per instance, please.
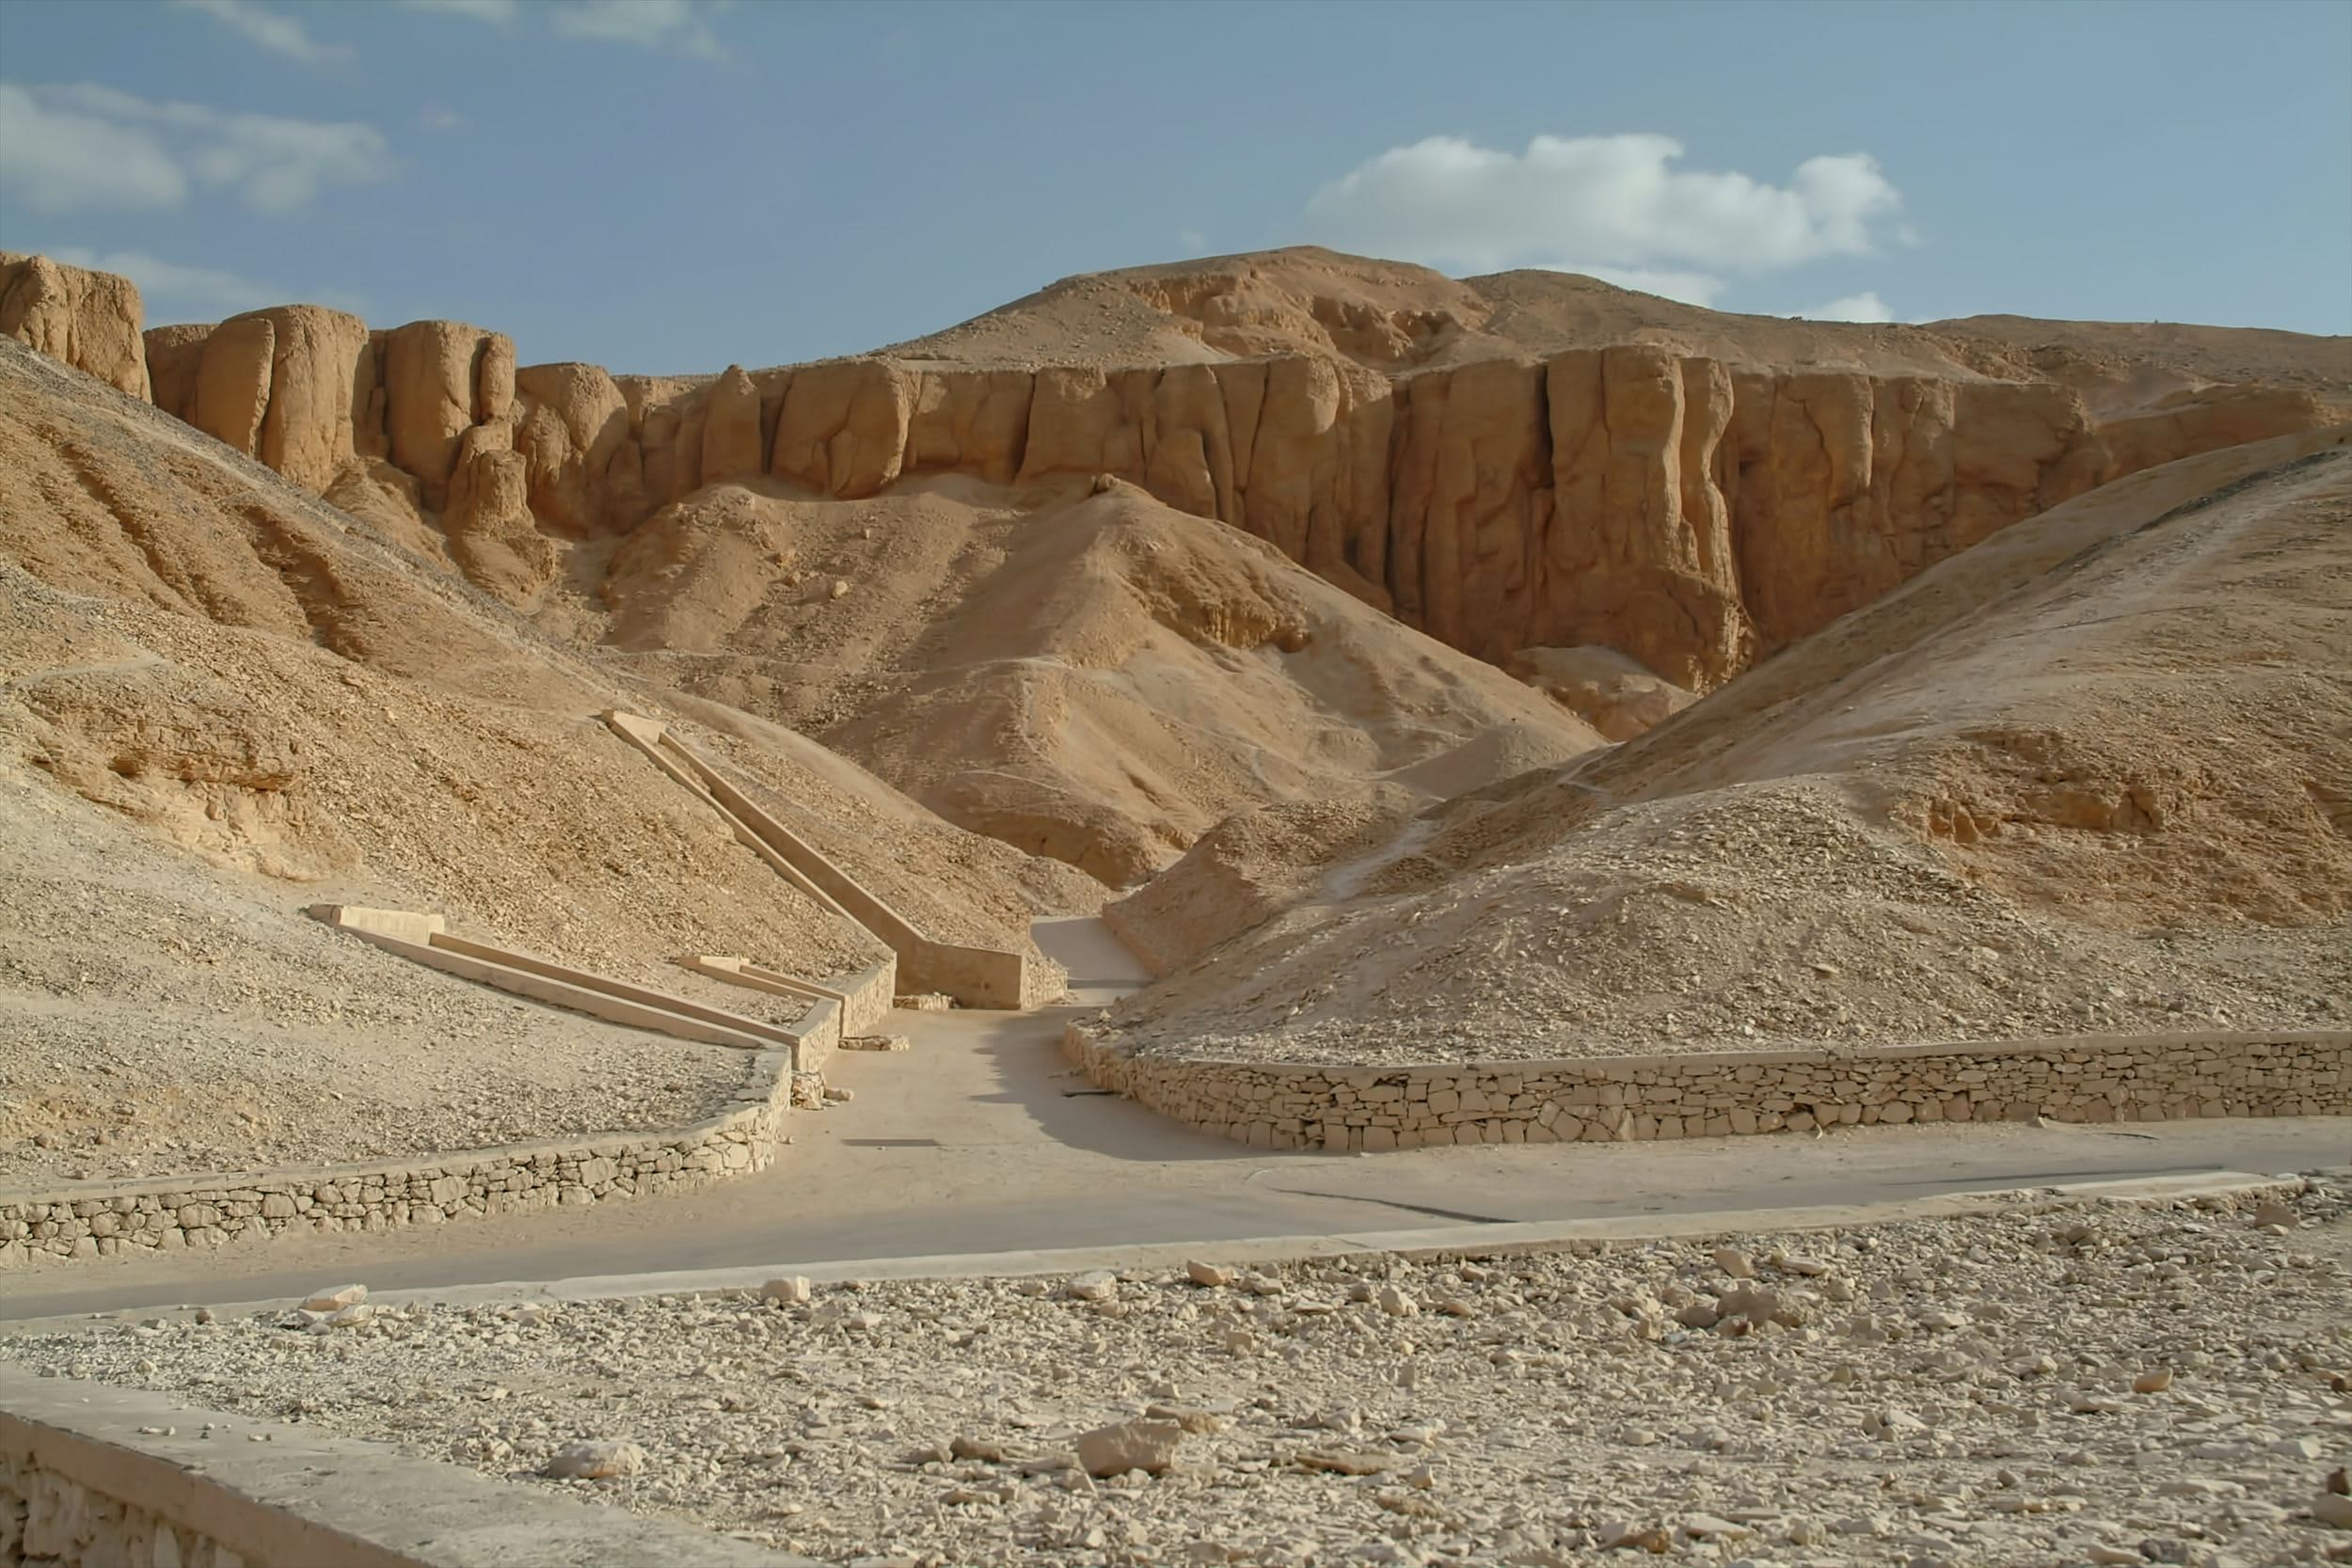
(2155, 1381)
(1200, 1423)
(877, 1042)
(1737, 1264)
(336, 1299)
(1100, 1285)
(1113, 1451)
(789, 1289)
(1208, 1273)
(603, 1459)
(1624, 1535)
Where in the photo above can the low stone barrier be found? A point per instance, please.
(97, 1219)
(1612, 1099)
(96, 1476)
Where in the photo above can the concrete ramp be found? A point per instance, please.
(974, 976)
(425, 939)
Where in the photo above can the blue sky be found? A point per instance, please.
(670, 185)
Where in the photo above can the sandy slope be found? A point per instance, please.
(2089, 776)
(222, 700)
(1098, 679)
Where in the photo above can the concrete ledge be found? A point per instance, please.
(1709, 1093)
(544, 980)
(81, 1484)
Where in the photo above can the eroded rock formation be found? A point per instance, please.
(89, 320)
(1691, 511)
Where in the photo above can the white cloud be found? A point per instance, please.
(92, 146)
(55, 160)
(280, 35)
(1617, 207)
(498, 13)
(439, 116)
(1864, 307)
(682, 25)
(207, 289)
(647, 23)
(1192, 241)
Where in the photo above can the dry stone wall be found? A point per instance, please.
(102, 1219)
(1609, 1100)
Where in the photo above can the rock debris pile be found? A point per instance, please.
(2052, 1383)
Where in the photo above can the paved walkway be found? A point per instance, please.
(982, 1139)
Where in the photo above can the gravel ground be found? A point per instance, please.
(1757, 919)
(2078, 1384)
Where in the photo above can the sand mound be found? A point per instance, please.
(1098, 680)
(2087, 777)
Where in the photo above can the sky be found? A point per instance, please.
(668, 186)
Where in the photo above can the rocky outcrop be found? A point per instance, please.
(1691, 513)
(88, 319)
(1688, 515)
(441, 379)
(731, 446)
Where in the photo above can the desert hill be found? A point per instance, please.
(1098, 679)
(2091, 776)
(222, 700)
(1538, 470)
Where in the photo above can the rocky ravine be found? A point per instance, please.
(1692, 509)
(2103, 1384)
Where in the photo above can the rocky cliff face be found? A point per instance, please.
(1691, 510)
(89, 320)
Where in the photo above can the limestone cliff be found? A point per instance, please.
(1430, 445)
(89, 320)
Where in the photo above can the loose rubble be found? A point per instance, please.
(2101, 1384)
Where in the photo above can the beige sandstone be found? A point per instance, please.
(89, 320)
(1476, 455)
(440, 378)
(231, 391)
(731, 429)
(173, 354)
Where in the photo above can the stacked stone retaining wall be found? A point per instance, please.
(1611, 1099)
(98, 1219)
